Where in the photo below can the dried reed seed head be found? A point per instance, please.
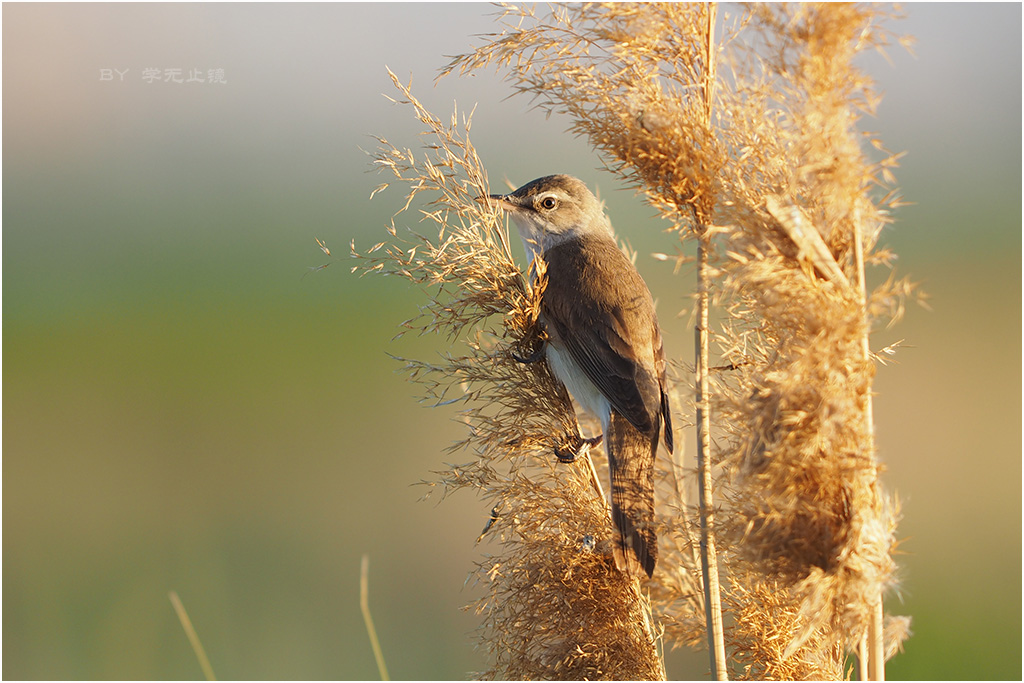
(554, 605)
(557, 608)
(708, 137)
(781, 123)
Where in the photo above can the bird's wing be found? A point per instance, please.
(611, 331)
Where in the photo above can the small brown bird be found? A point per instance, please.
(604, 345)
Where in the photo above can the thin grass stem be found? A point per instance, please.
(364, 605)
(862, 658)
(875, 649)
(708, 554)
(193, 638)
(877, 642)
(596, 481)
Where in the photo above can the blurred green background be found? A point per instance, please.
(186, 409)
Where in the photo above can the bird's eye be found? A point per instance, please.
(549, 203)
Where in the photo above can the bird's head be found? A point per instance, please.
(550, 210)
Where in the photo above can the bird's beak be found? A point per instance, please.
(502, 201)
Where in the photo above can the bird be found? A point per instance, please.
(603, 343)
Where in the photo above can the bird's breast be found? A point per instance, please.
(585, 392)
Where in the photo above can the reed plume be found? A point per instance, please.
(554, 605)
(742, 133)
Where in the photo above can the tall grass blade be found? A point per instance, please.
(193, 638)
(364, 605)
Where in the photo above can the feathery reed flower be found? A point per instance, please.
(743, 135)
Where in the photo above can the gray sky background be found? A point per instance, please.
(305, 83)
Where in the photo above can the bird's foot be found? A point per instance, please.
(537, 339)
(576, 447)
(495, 513)
(537, 355)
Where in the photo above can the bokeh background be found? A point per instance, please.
(188, 407)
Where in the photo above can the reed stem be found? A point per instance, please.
(364, 605)
(708, 555)
(193, 637)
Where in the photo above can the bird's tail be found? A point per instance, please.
(631, 462)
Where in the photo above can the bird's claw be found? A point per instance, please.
(578, 446)
(539, 334)
(495, 513)
(537, 354)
